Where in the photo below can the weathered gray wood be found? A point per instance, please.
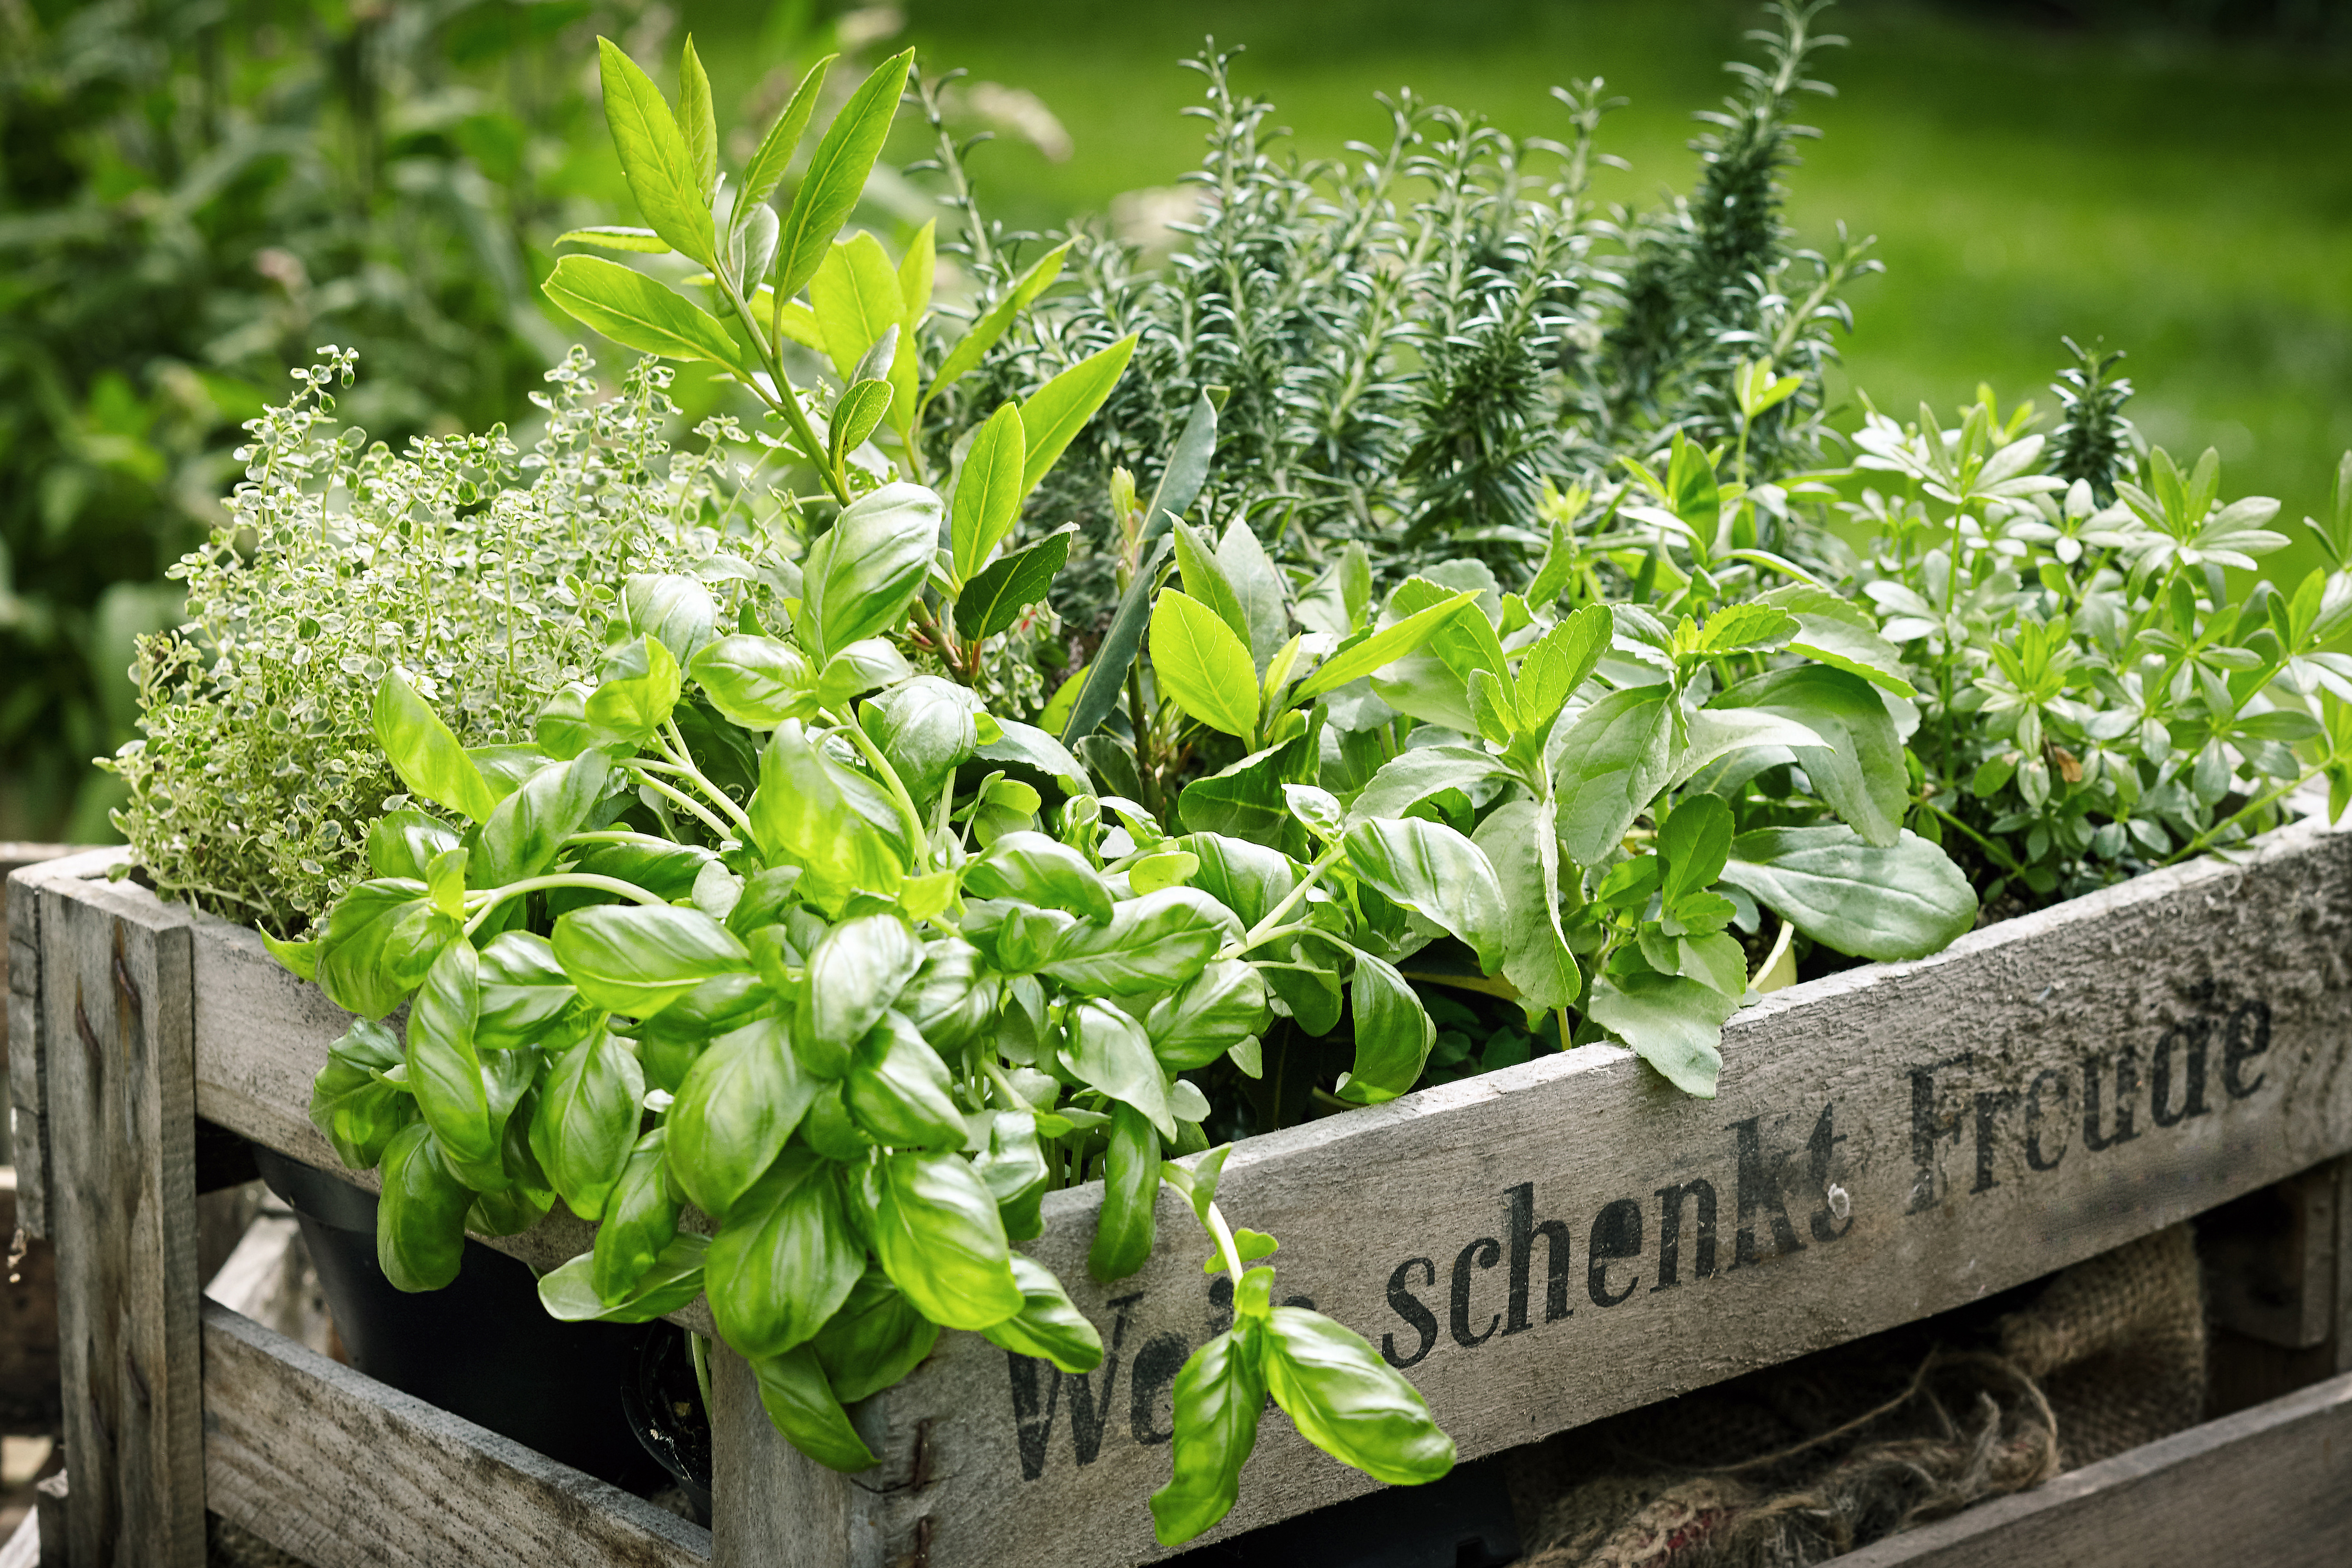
(28, 1135)
(120, 1094)
(771, 1506)
(17, 954)
(1890, 1141)
(2278, 1284)
(345, 1472)
(2272, 1485)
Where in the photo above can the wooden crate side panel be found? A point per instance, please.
(2272, 1485)
(114, 994)
(28, 1133)
(770, 1505)
(345, 1472)
(1562, 1240)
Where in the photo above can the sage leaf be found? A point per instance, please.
(1429, 868)
(1673, 1023)
(1906, 901)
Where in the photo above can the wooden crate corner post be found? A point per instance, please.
(117, 1051)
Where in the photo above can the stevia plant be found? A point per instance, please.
(2098, 696)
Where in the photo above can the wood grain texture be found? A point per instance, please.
(2272, 1485)
(17, 954)
(345, 1472)
(121, 1091)
(1890, 1141)
(770, 1505)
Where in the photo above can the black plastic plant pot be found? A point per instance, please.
(664, 1400)
(483, 1348)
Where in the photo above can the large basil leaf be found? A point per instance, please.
(1904, 902)
(853, 976)
(1348, 1402)
(586, 1123)
(1030, 868)
(1674, 1023)
(900, 1092)
(382, 936)
(1859, 769)
(671, 1280)
(1219, 1395)
(525, 996)
(1245, 801)
(350, 1102)
(425, 754)
(826, 817)
(950, 999)
(668, 871)
(1393, 1030)
(799, 1399)
(927, 727)
(1208, 1014)
(1109, 1051)
(1013, 1168)
(937, 1231)
(420, 1218)
(734, 1112)
(676, 611)
(464, 1101)
(1128, 1224)
(1244, 875)
(756, 682)
(528, 828)
(637, 686)
(875, 1339)
(1428, 867)
(1609, 762)
(1048, 1326)
(1159, 940)
(784, 1258)
(403, 843)
(638, 958)
(640, 1221)
(858, 578)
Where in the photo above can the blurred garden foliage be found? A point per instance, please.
(194, 195)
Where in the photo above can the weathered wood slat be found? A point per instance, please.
(345, 1472)
(2272, 1485)
(120, 1095)
(771, 1506)
(28, 1134)
(1567, 1238)
(19, 956)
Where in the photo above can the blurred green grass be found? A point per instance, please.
(2189, 201)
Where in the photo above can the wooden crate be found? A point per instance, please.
(1538, 1248)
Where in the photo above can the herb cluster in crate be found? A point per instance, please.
(2098, 696)
(1429, 343)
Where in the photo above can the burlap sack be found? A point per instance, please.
(1798, 1464)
